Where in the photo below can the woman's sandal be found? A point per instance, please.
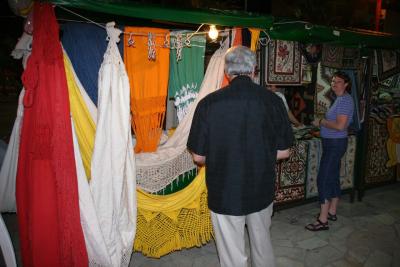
(320, 226)
(332, 217)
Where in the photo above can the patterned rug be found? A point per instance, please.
(332, 56)
(376, 170)
(323, 94)
(351, 58)
(340, 57)
(311, 52)
(391, 82)
(346, 168)
(284, 63)
(291, 175)
(388, 63)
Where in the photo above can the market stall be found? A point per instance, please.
(156, 190)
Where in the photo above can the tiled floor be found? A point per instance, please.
(366, 234)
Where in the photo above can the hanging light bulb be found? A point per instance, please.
(213, 32)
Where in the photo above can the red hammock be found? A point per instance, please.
(46, 188)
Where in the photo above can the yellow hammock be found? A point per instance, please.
(84, 125)
(172, 222)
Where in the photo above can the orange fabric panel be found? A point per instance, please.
(393, 125)
(238, 37)
(148, 81)
(236, 41)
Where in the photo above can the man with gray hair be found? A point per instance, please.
(238, 133)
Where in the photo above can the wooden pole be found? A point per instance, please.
(378, 14)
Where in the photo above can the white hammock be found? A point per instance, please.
(113, 182)
(156, 170)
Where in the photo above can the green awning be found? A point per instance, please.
(276, 29)
(308, 33)
(157, 12)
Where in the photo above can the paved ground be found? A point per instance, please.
(366, 234)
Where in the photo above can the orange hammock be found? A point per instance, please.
(147, 65)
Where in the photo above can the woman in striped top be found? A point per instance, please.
(334, 144)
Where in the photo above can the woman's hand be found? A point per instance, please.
(316, 122)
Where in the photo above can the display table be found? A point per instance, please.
(296, 178)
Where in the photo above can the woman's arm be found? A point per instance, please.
(339, 124)
(199, 160)
(283, 154)
(293, 119)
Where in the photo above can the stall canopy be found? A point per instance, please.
(158, 12)
(309, 33)
(275, 27)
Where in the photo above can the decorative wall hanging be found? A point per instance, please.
(284, 63)
(323, 94)
(340, 57)
(391, 82)
(332, 56)
(311, 52)
(377, 157)
(306, 71)
(291, 175)
(388, 63)
(351, 58)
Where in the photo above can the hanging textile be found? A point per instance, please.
(284, 63)
(6, 246)
(332, 56)
(147, 63)
(113, 182)
(186, 73)
(393, 125)
(8, 170)
(84, 124)
(255, 36)
(173, 222)
(95, 243)
(291, 175)
(157, 170)
(376, 171)
(46, 188)
(340, 57)
(323, 93)
(311, 52)
(388, 63)
(236, 40)
(85, 45)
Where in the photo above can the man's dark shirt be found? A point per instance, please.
(239, 129)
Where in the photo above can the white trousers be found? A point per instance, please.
(230, 238)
